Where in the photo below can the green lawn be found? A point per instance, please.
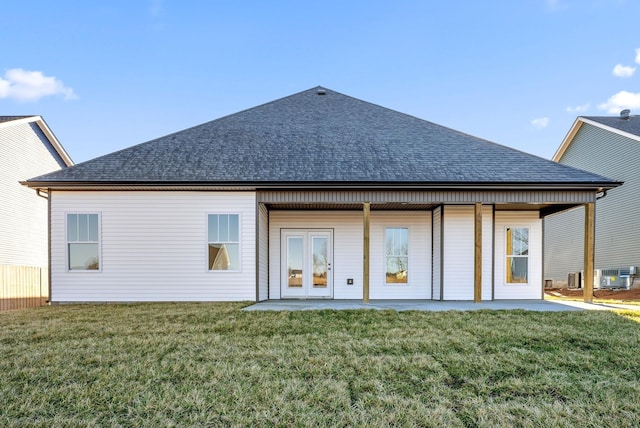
(213, 365)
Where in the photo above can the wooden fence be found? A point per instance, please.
(23, 287)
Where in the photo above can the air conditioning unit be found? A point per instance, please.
(615, 278)
(612, 278)
(573, 280)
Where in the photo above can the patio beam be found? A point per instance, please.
(477, 263)
(589, 242)
(366, 210)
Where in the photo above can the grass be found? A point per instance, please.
(213, 365)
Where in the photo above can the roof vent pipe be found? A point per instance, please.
(624, 114)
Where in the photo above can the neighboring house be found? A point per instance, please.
(27, 148)
(608, 146)
(316, 195)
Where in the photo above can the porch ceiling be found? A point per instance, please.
(351, 206)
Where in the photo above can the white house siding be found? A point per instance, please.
(532, 290)
(458, 252)
(24, 153)
(487, 252)
(437, 253)
(347, 229)
(263, 252)
(347, 247)
(154, 247)
(419, 272)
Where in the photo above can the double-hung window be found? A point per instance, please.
(83, 242)
(517, 255)
(223, 241)
(396, 245)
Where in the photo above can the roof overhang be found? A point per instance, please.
(568, 139)
(200, 186)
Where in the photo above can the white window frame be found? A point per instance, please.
(385, 257)
(67, 242)
(507, 256)
(239, 243)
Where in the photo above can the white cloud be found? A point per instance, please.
(578, 109)
(620, 101)
(24, 85)
(623, 71)
(540, 122)
(638, 56)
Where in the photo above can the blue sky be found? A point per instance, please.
(108, 75)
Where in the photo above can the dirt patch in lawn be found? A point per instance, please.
(625, 295)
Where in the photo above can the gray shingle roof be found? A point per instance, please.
(10, 118)
(319, 139)
(630, 125)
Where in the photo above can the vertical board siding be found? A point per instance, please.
(348, 250)
(420, 259)
(347, 247)
(437, 253)
(532, 290)
(487, 252)
(153, 247)
(24, 153)
(458, 253)
(23, 287)
(263, 252)
(617, 236)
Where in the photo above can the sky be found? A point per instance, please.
(109, 75)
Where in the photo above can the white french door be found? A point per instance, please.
(307, 262)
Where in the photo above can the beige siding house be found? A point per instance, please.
(317, 195)
(607, 146)
(27, 148)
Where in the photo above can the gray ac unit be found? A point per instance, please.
(615, 278)
(573, 280)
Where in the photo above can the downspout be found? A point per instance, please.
(45, 195)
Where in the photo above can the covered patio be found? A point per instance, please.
(432, 305)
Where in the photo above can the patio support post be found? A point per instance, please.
(477, 264)
(366, 209)
(589, 241)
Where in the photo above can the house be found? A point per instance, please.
(608, 146)
(27, 148)
(365, 202)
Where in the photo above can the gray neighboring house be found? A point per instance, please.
(317, 195)
(27, 148)
(610, 146)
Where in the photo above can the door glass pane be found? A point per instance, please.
(294, 261)
(320, 260)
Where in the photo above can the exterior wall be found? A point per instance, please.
(420, 260)
(263, 253)
(348, 250)
(458, 252)
(154, 247)
(437, 253)
(533, 289)
(617, 237)
(24, 153)
(563, 245)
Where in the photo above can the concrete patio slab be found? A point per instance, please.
(430, 305)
